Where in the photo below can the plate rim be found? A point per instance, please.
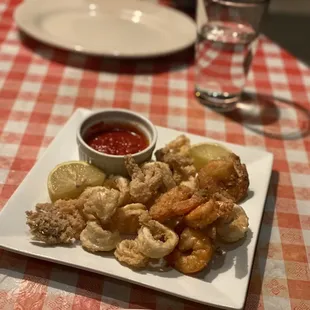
(80, 112)
(18, 15)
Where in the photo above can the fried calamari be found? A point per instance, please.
(58, 223)
(96, 239)
(176, 154)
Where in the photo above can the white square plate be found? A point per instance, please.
(224, 284)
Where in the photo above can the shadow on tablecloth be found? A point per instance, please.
(275, 118)
(152, 65)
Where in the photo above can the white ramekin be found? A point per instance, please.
(114, 164)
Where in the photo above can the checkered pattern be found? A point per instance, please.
(40, 87)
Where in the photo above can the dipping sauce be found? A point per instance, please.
(116, 139)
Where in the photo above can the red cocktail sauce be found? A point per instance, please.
(116, 139)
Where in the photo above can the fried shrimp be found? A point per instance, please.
(176, 154)
(154, 239)
(122, 185)
(193, 253)
(100, 203)
(226, 176)
(58, 223)
(95, 239)
(178, 201)
(126, 219)
(234, 227)
(127, 252)
(207, 213)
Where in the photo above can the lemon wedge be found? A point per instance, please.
(69, 179)
(204, 152)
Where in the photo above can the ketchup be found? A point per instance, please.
(116, 139)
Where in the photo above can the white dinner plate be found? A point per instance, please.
(125, 28)
(223, 284)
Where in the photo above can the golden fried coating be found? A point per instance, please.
(58, 223)
(122, 185)
(128, 252)
(95, 239)
(100, 203)
(193, 252)
(148, 181)
(233, 227)
(176, 155)
(142, 186)
(228, 177)
(126, 219)
(178, 201)
(208, 212)
(162, 168)
(155, 240)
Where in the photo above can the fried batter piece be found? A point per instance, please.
(147, 181)
(228, 177)
(128, 252)
(176, 155)
(233, 227)
(100, 203)
(177, 202)
(155, 240)
(95, 239)
(209, 212)
(192, 183)
(126, 219)
(122, 185)
(193, 252)
(58, 223)
(166, 174)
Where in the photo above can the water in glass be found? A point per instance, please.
(224, 52)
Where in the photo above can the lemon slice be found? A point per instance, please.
(204, 152)
(69, 179)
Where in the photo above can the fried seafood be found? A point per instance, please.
(122, 185)
(148, 181)
(143, 186)
(128, 252)
(170, 212)
(176, 154)
(58, 223)
(210, 231)
(208, 212)
(193, 252)
(233, 227)
(192, 183)
(126, 219)
(228, 177)
(178, 201)
(167, 181)
(154, 239)
(95, 239)
(100, 203)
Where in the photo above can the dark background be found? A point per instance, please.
(288, 24)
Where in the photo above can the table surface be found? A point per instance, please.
(40, 87)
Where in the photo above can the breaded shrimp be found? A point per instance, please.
(226, 176)
(193, 253)
(178, 201)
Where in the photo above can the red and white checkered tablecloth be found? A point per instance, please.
(40, 87)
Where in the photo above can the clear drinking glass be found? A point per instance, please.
(226, 43)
